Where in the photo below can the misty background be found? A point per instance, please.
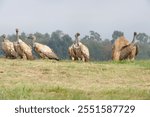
(99, 22)
(71, 16)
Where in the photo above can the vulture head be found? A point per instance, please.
(77, 35)
(17, 30)
(4, 36)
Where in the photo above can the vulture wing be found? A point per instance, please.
(8, 48)
(48, 52)
(26, 49)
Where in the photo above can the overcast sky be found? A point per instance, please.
(71, 16)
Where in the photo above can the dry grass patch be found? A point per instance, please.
(45, 79)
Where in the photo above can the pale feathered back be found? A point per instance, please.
(43, 50)
(129, 51)
(122, 49)
(8, 48)
(118, 44)
(78, 50)
(71, 53)
(23, 50)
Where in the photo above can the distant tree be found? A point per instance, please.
(46, 36)
(60, 42)
(93, 36)
(115, 35)
(1, 52)
(23, 36)
(58, 34)
(12, 37)
(99, 50)
(86, 37)
(42, 38)
(107, 49)
(143, 38)
(144, 51)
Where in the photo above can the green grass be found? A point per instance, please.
(52, 80)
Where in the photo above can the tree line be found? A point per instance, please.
(100, 49)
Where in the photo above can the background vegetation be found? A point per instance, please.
(100, 49)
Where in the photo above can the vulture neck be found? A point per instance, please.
(33, 41)
(17, 35)
(4, 39)
(133, 41)
(77, 40)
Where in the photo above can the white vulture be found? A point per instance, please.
(78, 50)
(43, 50)
(8, 48)
(22, 49)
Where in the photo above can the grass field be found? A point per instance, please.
(45, 79)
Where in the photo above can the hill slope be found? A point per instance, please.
(45, 79)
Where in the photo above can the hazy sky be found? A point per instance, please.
(71, 16)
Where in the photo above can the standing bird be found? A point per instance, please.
(129, 51)
(71, 53)
(43, 50)
(78, 50)
(23, 50)
(8, 48)
(119, 48)
(118, 44)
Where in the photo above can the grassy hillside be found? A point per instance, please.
(45, 79)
